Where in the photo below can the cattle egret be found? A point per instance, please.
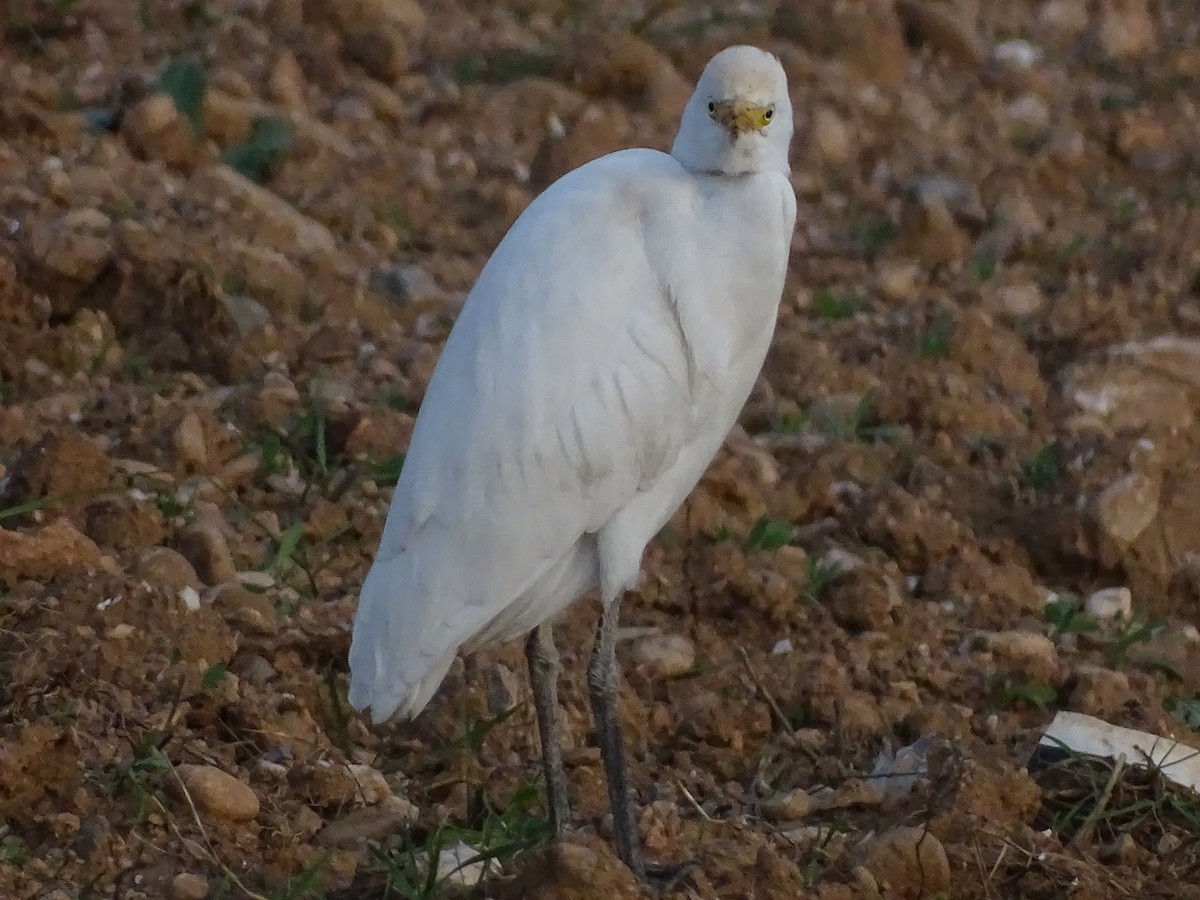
(594, 371)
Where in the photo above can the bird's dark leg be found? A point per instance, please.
(602, 684)
(542, 656)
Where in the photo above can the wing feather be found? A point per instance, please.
(562, 390)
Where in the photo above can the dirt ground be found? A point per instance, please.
(234, 236)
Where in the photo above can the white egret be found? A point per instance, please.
(594, 371)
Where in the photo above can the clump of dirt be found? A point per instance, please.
(959, 499)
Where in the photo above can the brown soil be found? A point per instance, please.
(982, 395)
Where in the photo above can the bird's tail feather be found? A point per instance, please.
(391, 671)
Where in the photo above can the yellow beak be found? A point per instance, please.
(739, 117)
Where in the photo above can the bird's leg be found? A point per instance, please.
(602, 684)
(542, 656)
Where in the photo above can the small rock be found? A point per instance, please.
(455, 866)
(1127, 507)
(189, 441)
(1017, 54)
(1029, 111)
(43, 554)
(253, 669)
(277, 398)
(937, 25)
(380, 434)
(862, 599)
(286, 84)
(897, 773)
(253, 579)
(959, 198)
(166, 568)
(1110, 603)
(275, 222)
(1029, 655)
(190, 597)
(1064, 19)
(908, 863)
(929, 232)
(1127, 28)
(856, 792)
(371, 823)
(372, 786)
(868, 37)
(76, 245)
(249, 612)
(1020, 300)
(1123, 849)
(247, 313)
(898, 281)
(205, 546)
(831, 135)
(218, 793)
(405, 284)
(155, 129)
(272, 770)
(1098, 691)
(790, 806)
(668, 655)
(189, 886)
(381, 53)
(503, 689)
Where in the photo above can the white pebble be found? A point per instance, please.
(1110, 603)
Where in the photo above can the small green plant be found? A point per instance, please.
(23, 509)
(1132, 634)
(813, 860)
(938, 338)
(171, 506)
(198, 12)
(307, 885)
(12, 851)
(185, 81)
(828, 305)
(721, 535)
(768, 534)
(861, 424)
(1041, 471)
(1186, 710)
(420, 869)
(792, 422)
(503, 67)
(213, 675)
(123, 209)
(386, 472)
(263, 152)
(984, 268)
(142, 775)
(819, 577)
(1070, 250)
(1013, 692)
(135, 366)
(286, 546)
(1065, 615)
(875, 232)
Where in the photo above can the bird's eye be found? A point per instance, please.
(712, 107)
(769, 114)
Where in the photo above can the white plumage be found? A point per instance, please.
(594, 371)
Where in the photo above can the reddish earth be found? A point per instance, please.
(236, 235)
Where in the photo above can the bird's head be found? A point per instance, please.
(739, 120)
